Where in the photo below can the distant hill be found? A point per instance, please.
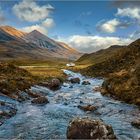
(121, 58)
(15, 44)
(99, 56)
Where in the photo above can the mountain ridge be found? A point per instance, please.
(33, 45)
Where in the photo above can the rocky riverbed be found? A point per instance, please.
(50, 120)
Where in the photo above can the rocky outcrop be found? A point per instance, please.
(87, 108)
(40, 100)
(75, 80)
(85, 128)
(85, 83)
(136, 123)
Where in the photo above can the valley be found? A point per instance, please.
(69, 70)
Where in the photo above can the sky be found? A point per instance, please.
(87, 26)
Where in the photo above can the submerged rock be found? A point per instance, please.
(7, 110)
(87, 108)
(85, 83)
(136, 123)
(85, 128)
(75, 80)
(40, 100)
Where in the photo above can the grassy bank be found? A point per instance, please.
(16, 78)
(121, 71)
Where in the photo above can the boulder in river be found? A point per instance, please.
(85, 83)
(75, 80)
(136, 123)
(87, 108)
(85, 128)
(54, 84)
(40, 100)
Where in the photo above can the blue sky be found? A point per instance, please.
(85, 25)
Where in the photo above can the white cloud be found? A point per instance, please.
(30, 11)
(35, 27)
(91, 44)
(43, 27)
(49, 22)
(129, 12)
(109, 26)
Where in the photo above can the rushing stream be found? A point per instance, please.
(50, 121)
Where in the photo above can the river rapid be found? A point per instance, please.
(50, 121)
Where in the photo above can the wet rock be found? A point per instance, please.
(22, 96)
(40, 100)
(33, 94)
(44, 84)
(70, 86)
(97, 89)
(136, 123)
(87, 108)
(75, 80)
(7, 110)
(85, 128)
(55, 84)
(85, 83)
(81, 102)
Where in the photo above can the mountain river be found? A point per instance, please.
(50, 121)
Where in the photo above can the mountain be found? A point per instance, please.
(12, 31)
(121, 71)
(15, 44)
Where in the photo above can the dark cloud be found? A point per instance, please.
(121, 4)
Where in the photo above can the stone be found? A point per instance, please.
(136, 123)
(40, 100)
(75, 80)
(55, 84)
(86, 128)
(97, 89)
(85, 83)
(33, 94)
(87, 108)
